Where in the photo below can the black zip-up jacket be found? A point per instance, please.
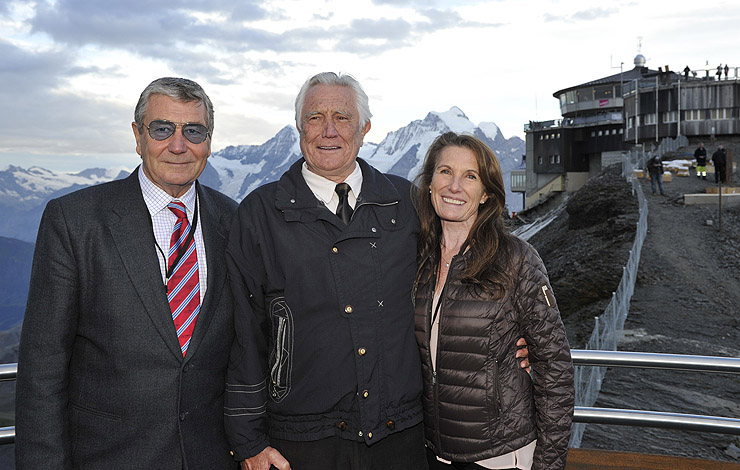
(324, 321)
(479, 403)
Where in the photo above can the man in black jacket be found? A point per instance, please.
(323, 263)
(655, 168)
(719, 158)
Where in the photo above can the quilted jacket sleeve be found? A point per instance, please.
(549, 355)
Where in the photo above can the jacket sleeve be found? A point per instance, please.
(245, 400)
(552, 367)
(47, 338)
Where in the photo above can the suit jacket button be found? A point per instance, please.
(342, 426)
(390, 425)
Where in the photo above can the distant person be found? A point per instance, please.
(129, 322)
(655, 168)
(478, 289)
(325, 373)
(719, 158)
(700, 154)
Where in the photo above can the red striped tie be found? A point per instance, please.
(183, 286)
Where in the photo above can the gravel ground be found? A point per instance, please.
(686, 301)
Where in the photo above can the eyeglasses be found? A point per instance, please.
(163, 130)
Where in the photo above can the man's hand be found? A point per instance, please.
(522, 352)
(264, 459)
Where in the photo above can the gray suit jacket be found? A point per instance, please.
(102, 383)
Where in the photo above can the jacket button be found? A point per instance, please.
(365, 394)
(334, 249)
(342, 426)
(390, 425)
(361, 351)
(370, 435)
(348, 309)
(231, 452)
(373, 230)
(359, 433)
(393, 221)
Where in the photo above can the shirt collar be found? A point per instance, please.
(323, 188)
(156, 198)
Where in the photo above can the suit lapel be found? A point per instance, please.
(214, 239)
(132, 232)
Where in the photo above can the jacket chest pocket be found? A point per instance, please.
(387, 217)
(281, 355)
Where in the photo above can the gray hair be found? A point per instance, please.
(180, 89)
(331, 78)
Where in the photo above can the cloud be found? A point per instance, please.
(45, 119)
(447, 19)
(583, 15)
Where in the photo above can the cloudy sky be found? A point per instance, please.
(72, 70)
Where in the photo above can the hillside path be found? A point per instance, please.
(686, 301)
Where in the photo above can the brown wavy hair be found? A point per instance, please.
(488, 262)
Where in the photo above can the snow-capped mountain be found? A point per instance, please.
(25, 192)
(237, 170)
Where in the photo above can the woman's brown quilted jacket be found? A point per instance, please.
(479, 403)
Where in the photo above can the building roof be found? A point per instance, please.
(629, 75)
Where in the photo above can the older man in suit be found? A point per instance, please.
(127, 331)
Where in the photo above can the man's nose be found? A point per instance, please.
(177, 142)
(330, 128)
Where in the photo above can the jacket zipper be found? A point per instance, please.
(363, 203)
(497, 386)
(277, 368)
(435, 384)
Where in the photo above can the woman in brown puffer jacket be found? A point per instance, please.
(478, 290)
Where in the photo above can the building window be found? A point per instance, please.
(518, 181)
(539, 159)
(621, 131)
(722, 113)
(649, 119)
(541, 137)
(603, 92)
(670, 116)
(601, 133)
(558, 135)
(693, 115)
(557, 158)
(593, 133)
(631, 122)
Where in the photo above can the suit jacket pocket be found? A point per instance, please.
(94, 412)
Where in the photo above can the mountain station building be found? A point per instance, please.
(603, 118)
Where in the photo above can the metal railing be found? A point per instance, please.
(656, 419)
(584, 414)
